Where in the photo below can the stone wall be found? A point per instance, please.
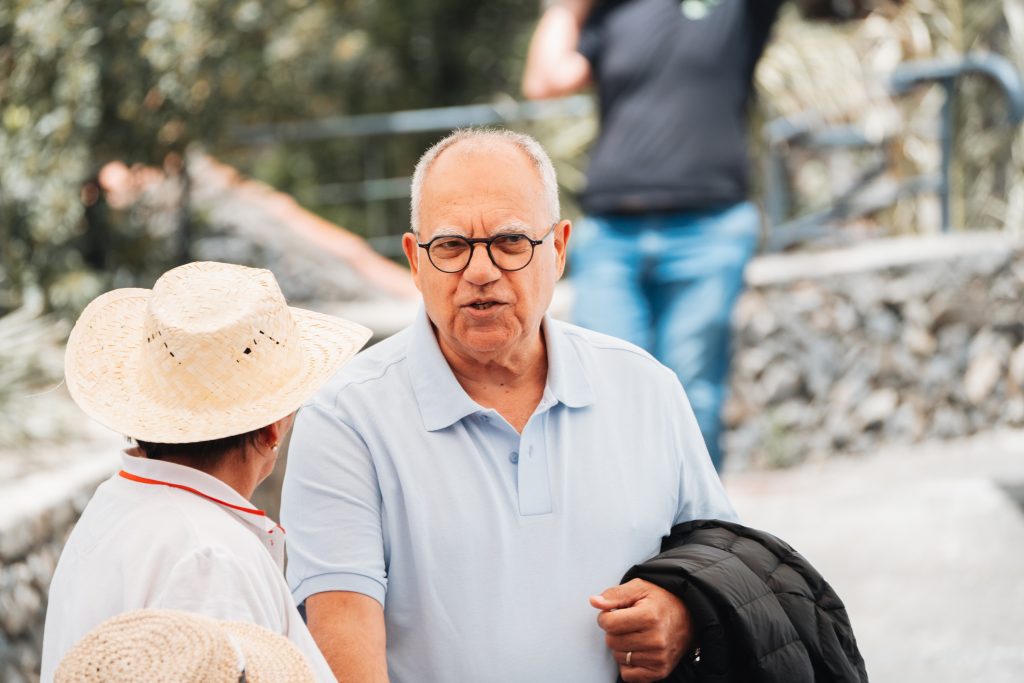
(889, 341)
(35, 518)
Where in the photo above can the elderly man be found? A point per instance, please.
(464, 497)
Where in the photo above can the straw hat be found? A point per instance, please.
(170, 646)
(211, 351)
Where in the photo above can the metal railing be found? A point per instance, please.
(783, 135)
(415, 121)
(374, 190)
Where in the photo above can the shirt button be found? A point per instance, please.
(513, 457)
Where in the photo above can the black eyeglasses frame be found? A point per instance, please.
(488, 241)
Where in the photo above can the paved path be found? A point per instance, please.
(923, 543)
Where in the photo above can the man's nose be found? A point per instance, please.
(481, 268)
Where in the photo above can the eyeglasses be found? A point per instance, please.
(509, 251)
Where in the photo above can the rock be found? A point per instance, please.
(850, 390)
(741, 445)
(805, 298)
(939, 376)
(792, 416)
(948, 423)
(64, 515)
(1017, 366)
(15, 542)
(735, 412)
(988, 341)
(763, 323)
(780, 381)
(906, 424)
(981, 378)
(877, 408)
(41, 565)
(820, 367)
(19, 609)
(919, 340)
(1013, 412)
(12, 675)
(822, 320)
(901, 367)
(752, 362)
(845, 316)
(917, 313)
(980, 420)
(882, 326)
(953, 341)
(839, 430)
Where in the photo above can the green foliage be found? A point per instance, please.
(84, 82)
(31, 360)
(397, 55)
(49, 106)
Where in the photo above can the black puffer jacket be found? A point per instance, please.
(761, 612)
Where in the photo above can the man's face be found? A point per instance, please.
(479, 190)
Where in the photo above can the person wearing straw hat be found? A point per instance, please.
(171, 646)
(205, 372)
(463, 498)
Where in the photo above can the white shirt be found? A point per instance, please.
(483, 543)
(200, 548)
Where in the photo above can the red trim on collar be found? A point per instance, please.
(143, 480)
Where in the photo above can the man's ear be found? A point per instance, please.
(561, 234)
(410, 245)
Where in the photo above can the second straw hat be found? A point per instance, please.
(213, 350)
(170, 646)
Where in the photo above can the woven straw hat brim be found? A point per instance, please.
(102, 370)
(171, 646)
(156, 646)
(269, 657)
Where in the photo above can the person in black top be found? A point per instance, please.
(658, 260)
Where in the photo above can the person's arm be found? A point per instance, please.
(331, 505)
(553, 66)
(349, 630)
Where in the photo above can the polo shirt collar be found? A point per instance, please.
(203, 485)
(568, 379)
(442, 400)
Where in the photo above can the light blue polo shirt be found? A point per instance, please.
(484, 544)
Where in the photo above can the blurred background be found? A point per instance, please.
(883, 321)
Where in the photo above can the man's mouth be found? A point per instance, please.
(483, 305)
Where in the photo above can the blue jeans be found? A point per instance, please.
(668, 283)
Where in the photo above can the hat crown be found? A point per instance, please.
(212, 351)
(215, 333)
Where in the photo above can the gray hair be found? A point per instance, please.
(525, 143)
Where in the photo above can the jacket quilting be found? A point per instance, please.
(761, 612)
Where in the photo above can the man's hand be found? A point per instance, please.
(647, 624)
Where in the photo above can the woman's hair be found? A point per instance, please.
(202, 455)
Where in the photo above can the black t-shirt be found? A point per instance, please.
(673, 93)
